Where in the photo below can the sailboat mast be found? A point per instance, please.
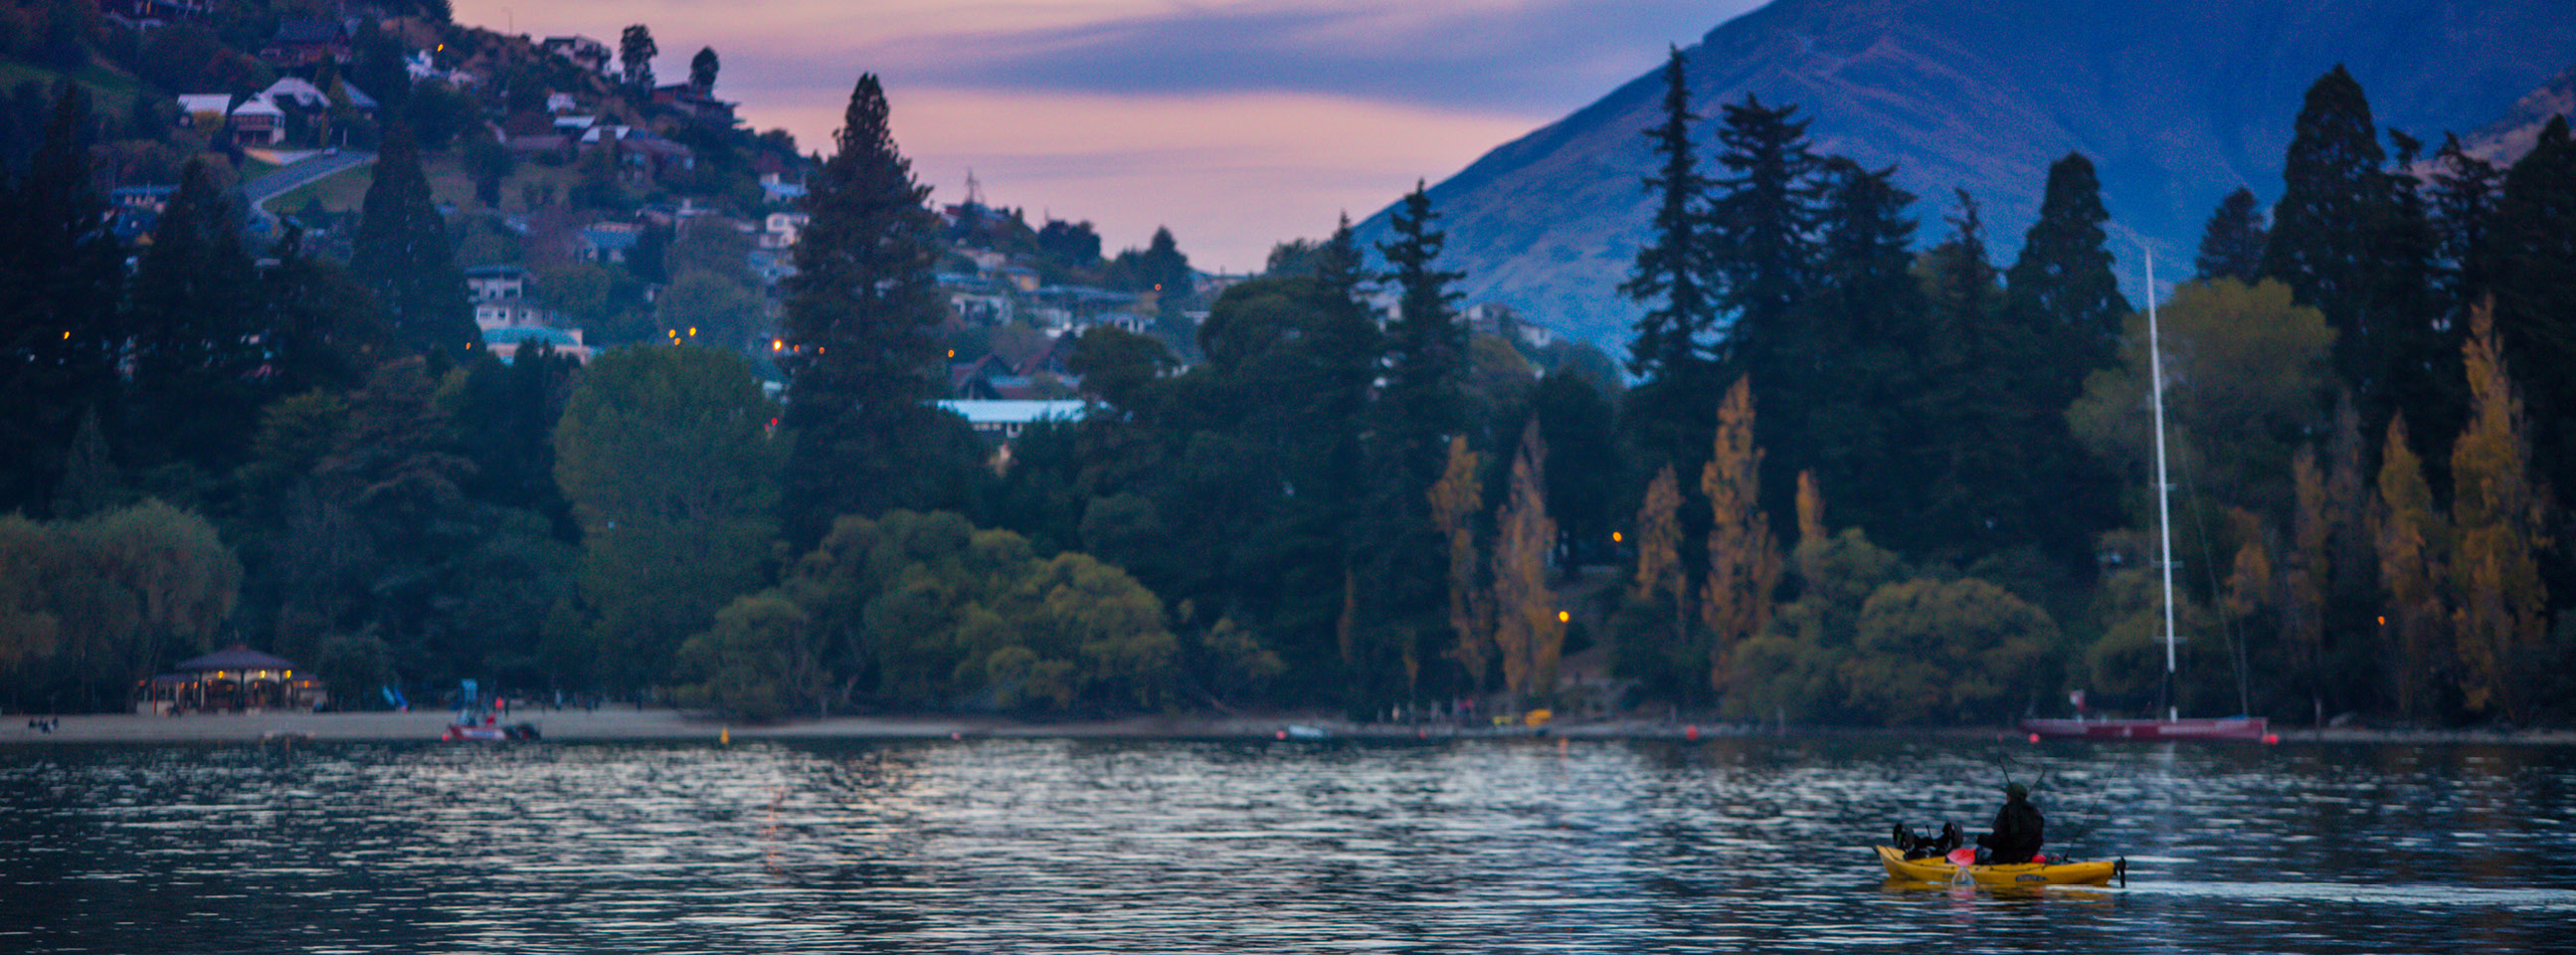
(2164, 490)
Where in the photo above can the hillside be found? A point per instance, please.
(2176, 102)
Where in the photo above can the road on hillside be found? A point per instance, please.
(287, 178)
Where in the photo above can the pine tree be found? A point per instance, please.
(1426, 346)
(1672, 273)
(60, 275)
(1863, 334)
(1743, 557)
(1762, 218)
(2344, 243)
(403, 252)
(1418, 414)
(2530, 257)
(193, 321)
(2231, 245)
(2502, 521)
(1527, 632)
(2464, 191)
(857, 325)
(2061, 286)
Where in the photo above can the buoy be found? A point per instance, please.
(2272, 739)
(2034, 737)
(1283, 734)
(725, 736)
(1691, 732)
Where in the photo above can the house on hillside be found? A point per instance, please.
(304, 41)
(696, 103)
(1002, 421)
(583, 51)
(607, 242)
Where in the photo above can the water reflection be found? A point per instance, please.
(1088, 846)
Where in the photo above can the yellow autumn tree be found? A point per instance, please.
(1743, 558)
(2413, 540)
(2304, 572)
(1455, 501)
(1811, 509)
(2502, 612)
(1526, 628)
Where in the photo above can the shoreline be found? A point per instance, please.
(627, 724)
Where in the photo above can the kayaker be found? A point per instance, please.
(2017, 833)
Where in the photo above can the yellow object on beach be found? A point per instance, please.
(1937, 869)
(1538, 717)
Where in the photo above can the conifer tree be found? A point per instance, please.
(1672, 273)
(2345, 243)
(1426, 346)
(1743, 557)
(857, 325)
(2231, 245)
(2062, 286)
(403, 252)
(2530, 257)
(193, 319)
(1527, 633)
(1863, 336)
(1419, 412)
(2464, 190)
(1762, 218)
(60, 275)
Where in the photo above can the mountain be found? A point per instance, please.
(2177, 102)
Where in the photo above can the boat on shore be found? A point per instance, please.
(2246, 728)
(2172, 726)
(488, 732)
(1939, 869)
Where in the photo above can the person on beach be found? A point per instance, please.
(2017, 832)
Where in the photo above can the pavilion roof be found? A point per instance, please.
(235, 657)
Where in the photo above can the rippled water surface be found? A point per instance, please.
(1097, 846)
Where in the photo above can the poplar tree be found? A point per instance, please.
(2231, 245)
(1656, 643)
(1527, 632)
(403, 253)
(856, 327)
(2413, 545)
(2502, 521)
(1455, 502)
(1743, 558)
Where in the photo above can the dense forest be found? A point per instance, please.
(1845, 478)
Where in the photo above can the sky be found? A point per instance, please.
(1236, 123)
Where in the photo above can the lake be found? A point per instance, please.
(1044, 846)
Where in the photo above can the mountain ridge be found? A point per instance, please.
(2176, 103)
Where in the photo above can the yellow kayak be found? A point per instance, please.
(1937, 869)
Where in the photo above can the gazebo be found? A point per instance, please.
(236, 678)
